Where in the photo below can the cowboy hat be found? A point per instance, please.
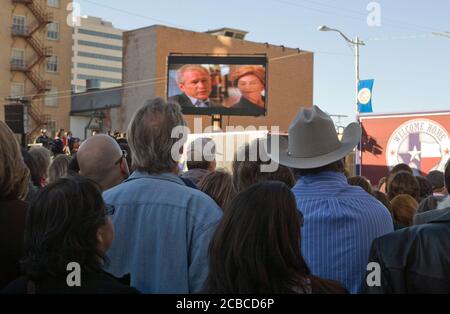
(312, 141)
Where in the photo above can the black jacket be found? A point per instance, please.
(415, 259)
(91, 283)
(12, 227)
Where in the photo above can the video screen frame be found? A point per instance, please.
(227, 99)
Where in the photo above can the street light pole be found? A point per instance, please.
(357, 73)
(355, 45)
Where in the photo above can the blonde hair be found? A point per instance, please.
(14, 174)
(58, 168)
(257, 71)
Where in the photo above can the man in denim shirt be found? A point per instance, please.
(163, 228)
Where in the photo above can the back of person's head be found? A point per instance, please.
(402, 182)
(256, 247)
(66, 223)
(447, 175)
(425, 188)
(150, 136)
(401, 167)
(32, 167)
(73, 168)
(219, 186)
(43, 158)
(14, 174)
(404, 208)
(201, 154)
(428, 203)
(101, 159)
(436, 178)
(382, 197)
(247, 168)
(362, 182)
(58, 168)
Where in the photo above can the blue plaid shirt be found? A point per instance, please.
(340, 223)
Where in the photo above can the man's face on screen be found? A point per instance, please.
(196, 84)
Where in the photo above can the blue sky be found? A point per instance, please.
(411, 67)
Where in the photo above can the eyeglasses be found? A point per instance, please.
(110, 209)
(124, 155)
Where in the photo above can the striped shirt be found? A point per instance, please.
(340, 223)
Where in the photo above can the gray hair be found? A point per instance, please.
(58, 168)
(189, 67)
(42, 157)
(150, 136)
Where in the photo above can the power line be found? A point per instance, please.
(133, 13)
(353, 14)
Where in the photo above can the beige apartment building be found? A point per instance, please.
(97, 54)
(35, 67)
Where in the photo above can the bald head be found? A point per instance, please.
(97, 158)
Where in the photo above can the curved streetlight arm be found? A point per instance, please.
(353, 42)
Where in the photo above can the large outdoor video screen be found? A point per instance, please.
(229, 85)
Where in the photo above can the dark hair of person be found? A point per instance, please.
(402, 182)
(219, 186)
(382, 197)
(256, 247)
(428, 203)
(202, 164)
(425, 188)
(337, 166)
(61, 228)
(32, 166)
(401, 167)
(248, 172)
(362, 182)
(447, 175)
(73, 168)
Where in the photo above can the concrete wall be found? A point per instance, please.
(140, 67)
(290, 71)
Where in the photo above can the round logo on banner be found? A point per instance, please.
(364, 96)
(422, 144)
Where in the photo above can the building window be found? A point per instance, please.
(100, 78)
(99, 45)
(52, 64)
(98, 56)
(53, 3)
(18, 26)
(99, 34)
(18, 58)
(53, 31)
(99, 67)
(51, 97)
(17, 90)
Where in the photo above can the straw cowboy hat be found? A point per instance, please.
(313, 141)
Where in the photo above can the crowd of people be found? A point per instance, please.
(135, 223)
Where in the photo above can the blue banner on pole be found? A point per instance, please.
(365, 96)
